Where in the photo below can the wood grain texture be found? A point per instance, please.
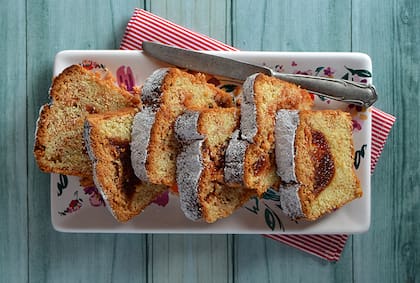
(13, 144)
(291, 25)
(208, 17)
(190, 258)
(258, 259)
(53, 256)
(390, 252)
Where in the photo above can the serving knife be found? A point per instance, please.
(336, 89)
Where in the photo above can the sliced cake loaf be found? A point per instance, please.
(76, 92)
(108, 137)
(314, 157)
(263, 96)
(166, 94)
(204, 136)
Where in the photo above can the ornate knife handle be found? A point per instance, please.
(336, 89)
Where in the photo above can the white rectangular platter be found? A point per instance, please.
(81, 209)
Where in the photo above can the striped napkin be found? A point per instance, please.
(145, 26)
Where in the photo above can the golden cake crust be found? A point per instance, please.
(205, 135)
(179, 91)
(324, 162)
(267, 95)
(108, 137)
(325, 178)
(76, 92)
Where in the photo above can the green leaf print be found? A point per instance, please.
(360, 72)
(345, 77)
(317, 70)
(62, 184)
(359, 155)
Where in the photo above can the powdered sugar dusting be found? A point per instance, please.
(249, 110)
(290, 201)
(140, 136)
(189, 163)
(285, 128)
(234, 159)
(143, 122)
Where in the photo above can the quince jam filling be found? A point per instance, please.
(323, 162)
(121, 151)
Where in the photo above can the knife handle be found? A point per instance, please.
(336, 89)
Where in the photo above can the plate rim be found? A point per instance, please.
(363, 59)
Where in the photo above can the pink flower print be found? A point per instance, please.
(307, 72)
(96, 200)
(74, 205)
(294, 64)
(329, 72)
(357, 78)
(356, 125)
(163, 199)
(95, 197)
(125, 78)
(357, 112)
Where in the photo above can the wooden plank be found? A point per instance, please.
(390, 252)
(289, 26)
(208, 17)
(13, 157)
(258, 259)
(53, 256)
(190, 258)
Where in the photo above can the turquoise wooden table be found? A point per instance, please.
(31, 251)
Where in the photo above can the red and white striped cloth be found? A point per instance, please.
(145, 26)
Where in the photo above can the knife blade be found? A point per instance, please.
(336, 89)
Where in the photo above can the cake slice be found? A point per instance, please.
(108, 137)
(76, 92)
(263, 96)
(204, 136)
(315, 161)
(166, 94)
